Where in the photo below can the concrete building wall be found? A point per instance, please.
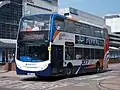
(10, 14)
(39, 6)
(113, 20)
(114, 23)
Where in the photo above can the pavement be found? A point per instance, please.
(105, 84)
(111, 84)
(2, 69)
(5, 73)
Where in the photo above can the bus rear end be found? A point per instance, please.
(106, 51)
(32, 56)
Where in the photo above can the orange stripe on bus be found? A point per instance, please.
(56, 34)
(72, 19)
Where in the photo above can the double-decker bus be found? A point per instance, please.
(52, 45)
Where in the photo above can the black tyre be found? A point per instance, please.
(68, 71)
(98, 69)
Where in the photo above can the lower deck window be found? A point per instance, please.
(69, 53)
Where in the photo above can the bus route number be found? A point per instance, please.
(85, 62)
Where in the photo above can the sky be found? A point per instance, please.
(96, 7)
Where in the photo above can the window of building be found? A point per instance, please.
(9, 19)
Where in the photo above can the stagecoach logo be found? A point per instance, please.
(62, 35)
(30, 64)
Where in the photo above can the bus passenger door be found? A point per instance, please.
(57, 58)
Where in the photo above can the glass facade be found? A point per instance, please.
(10, 15)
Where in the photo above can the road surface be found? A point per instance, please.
(83, 82)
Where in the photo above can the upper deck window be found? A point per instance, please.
(59, 23)
(35, 23)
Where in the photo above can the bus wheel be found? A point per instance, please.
(98, 68)
(68, 71)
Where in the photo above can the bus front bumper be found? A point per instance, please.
(47, 72)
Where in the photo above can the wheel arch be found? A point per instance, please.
(69, 64)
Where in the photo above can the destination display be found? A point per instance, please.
(34, 35)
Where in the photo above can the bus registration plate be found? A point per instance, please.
(31, 74)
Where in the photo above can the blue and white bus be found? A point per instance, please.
(52, 45)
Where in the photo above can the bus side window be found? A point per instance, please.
(86, 53)
(59, 24)
(92, 53)
(105, 33)
(78, 53)
(70, 26)
(97, 54)
(69, 53)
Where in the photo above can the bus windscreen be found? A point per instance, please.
(33, 38)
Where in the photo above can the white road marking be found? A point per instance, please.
(94, 76)
(82, 84)
(86, 77)
(114, 71)
(102, 78)
(59, 85)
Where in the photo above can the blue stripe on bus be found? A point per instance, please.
(29, 59)
(52, 25)
(46, 72)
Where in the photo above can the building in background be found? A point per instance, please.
(39, 6)
(10, 13)
(113, 21)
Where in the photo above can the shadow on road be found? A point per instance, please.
(45, 79)
(57, 78)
